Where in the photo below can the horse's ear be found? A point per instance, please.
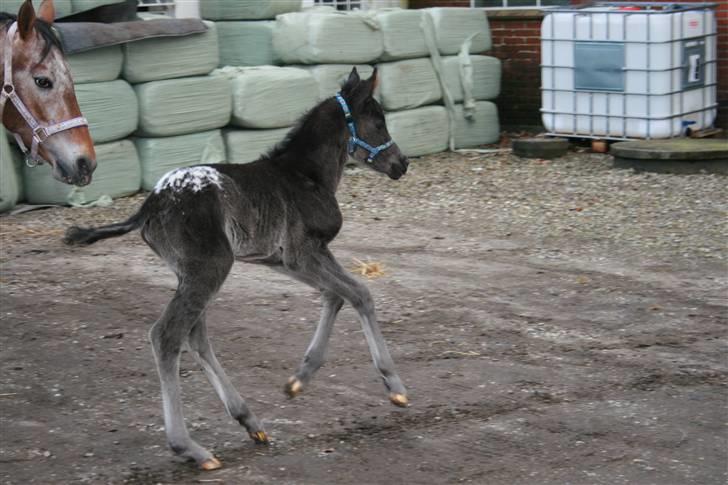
(373, 82)
(26, 19)
(47, 11)
(351, 83)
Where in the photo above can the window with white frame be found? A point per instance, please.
(517, 3)
(157, 6)
(352, 4)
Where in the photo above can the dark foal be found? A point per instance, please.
(280, 211)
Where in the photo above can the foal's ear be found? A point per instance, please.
(372, 83)
(26, 19)
(351, 83)
(47, 11)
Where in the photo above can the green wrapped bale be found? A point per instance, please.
(117, 174)
(246, 9)
(171, 57)
(97, 65)
(63, 7)
(269, 97)
(245, 146)
(454, 25)
(10, 183)
(408, 84)
(110, 108)
(402, 34)
(330, 77)
(246, 43)
(486, 77)
(419, 131)
(327, 37)
(160, 155)
(483, 128)
(182, 106)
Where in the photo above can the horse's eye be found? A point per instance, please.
(43, 82)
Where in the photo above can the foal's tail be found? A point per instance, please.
(83, 236)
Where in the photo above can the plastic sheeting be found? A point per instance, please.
(481, 129)
(408, 84)
(268, 96)
(327, 37)
(246, 43)
(182, 106)
(246, 9)
(330, 77)
(171, 57)
(486, 77)
(97, 65)
(245, 146)
(160, 155)
(402, 34)
(110, 108)
(10, 184)
(454, 25)
(419, 131)
(63, 7)
(117, 174)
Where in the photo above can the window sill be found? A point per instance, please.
(522, 13)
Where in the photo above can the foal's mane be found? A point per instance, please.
(46, 32)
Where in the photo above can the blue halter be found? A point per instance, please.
(355, 140)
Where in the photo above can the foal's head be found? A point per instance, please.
(368, 117)
(42, 81)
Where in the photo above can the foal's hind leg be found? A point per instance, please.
(234, 404)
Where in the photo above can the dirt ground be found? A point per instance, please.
(533, 353)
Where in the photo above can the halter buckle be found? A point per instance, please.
(40, 134)
(8, 89)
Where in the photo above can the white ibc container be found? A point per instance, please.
(629, 71)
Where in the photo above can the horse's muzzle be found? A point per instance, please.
(79, 174)
(399, 169)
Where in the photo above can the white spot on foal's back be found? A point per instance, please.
(189, 178)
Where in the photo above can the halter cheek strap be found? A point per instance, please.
(40, 132)
(354, 140)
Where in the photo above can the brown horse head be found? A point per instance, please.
(38, 99)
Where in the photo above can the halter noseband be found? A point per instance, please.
(40, 132)
(355, 141)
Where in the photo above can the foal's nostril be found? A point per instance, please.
(405, 163)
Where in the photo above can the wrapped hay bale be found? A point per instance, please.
(454, 25)
(245, 146)
(408, 84)
(246, 43)
(63, 7)
(171, 57)
(181, 106)
(96, 65)
(486, 77)
(81, 5)
(268, 96)
(330, 77)
(402, 34)
(247, 9)
(327, 37)
(110, 108)
(419, 131)
(160, 155)
(117, 174)
(481, 129)
(10, 183)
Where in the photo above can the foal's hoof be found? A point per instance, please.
(260, 437)
(293, 387)
(211, 464)
(399, 400)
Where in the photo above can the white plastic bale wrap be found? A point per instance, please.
(483, 128)
(182, 106)
(327, 37)
(245, 146)
(486, 77)
(63, 7)
(408, 84)
(268, 96)
(117, 174)
(402, 34)
(160, 155)
(246, 43)
(171, 57)
(419, 131)
(96, 65)
(454, 25)
(81, 5)
(330, 77)
(246, 9)
(10, 183)
(110, 108)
